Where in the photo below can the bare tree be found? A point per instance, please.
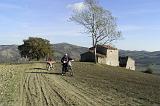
(98, 22)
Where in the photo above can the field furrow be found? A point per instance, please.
(91, 85)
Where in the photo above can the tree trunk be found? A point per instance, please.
(95, 54)
(93, 40)
(26, 58)
(38, 58)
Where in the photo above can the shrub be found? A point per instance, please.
(149, 71)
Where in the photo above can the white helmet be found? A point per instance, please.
(66, 54)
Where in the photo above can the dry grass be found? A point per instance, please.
(92, 84)
(10, 77)
(116, 85)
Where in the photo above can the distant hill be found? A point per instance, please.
(144, 59)
(73, 50)
(9, 53)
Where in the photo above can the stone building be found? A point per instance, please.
(127, 62)
(105, 55)
(108, 55)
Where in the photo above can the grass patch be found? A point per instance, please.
(102, 83)
(10, 76)
(125, 86)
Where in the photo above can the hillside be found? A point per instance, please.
(91, 85)
(9, 53)
(144, 59)
(73, 50)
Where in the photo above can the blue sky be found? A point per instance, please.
(139, 21)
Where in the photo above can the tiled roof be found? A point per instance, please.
(108, 47)
(105, 46)
(98, 54)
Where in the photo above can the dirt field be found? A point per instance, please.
(91, 85)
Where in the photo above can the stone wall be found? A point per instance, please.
(130, 64)
(102, 60)
(112, 58)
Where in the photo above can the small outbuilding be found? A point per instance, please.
(109, 55)
(105, 55)
(87, 57)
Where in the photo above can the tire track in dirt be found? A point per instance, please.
(53, 94)
(27, 94)
(36, 92)
(40, 89)
(72, 95)
(50, 95)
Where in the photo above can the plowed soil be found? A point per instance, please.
(91, 85)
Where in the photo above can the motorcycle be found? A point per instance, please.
(67, 68)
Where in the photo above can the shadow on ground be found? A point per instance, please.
(46, 73)
(39, 68)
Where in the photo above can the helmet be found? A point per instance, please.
(66, 54)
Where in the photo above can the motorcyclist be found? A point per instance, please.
(65, 59)
(49, 61)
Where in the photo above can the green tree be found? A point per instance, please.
(98, 22)
(35, 48)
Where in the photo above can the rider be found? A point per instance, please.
(65, 59)
(50, 62)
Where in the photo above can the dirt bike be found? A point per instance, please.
(67, 68)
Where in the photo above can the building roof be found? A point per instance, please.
(100, 53)
(108, 47)
(92, 52)
(102, 49)
(104, 46)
